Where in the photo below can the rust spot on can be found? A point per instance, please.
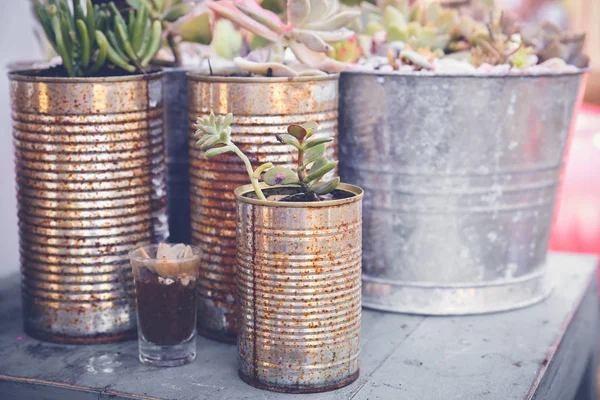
(262, 108)
(299, 292)
(90, 169)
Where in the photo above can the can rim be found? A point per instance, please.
(202, 77)
(395, 74)
(30, 75)
(242, 190)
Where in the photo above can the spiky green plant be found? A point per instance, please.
(88, 39)
(182, 21)
(214, 137)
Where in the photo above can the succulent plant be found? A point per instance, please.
(182, 21)
(214, 137)
(312, 25)
(347, 51)
(549, 41)
(168, 261)
(421, 26)
(88, 40)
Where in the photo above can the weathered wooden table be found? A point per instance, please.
(548, 351)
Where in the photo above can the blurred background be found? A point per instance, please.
(577, 226)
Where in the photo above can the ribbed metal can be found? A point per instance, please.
(90, 172)
(460, 175)
(298, 278)
(262, 108)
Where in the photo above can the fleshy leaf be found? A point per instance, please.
(318, 163)
(297, 131)
(288, 139)
(317, 174)
(311, 127)
(195, 29)
(313, 153)
(311, 40)
(297, 12)
(317, 60)
(227, 9)
(262, 16)
(337, 21)
(218, 151)
(266, 69)
(210, 142)
(316, 142)
(280, 176)
(258, 171)
(325, 187)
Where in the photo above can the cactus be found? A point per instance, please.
(88, 40)
(312, 25)
(182, 21)
(214, 137)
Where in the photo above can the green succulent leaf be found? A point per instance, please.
(175, 12)
(325, 187)
(288, 139)
(280, 176)
(217, 151)
(312, 154)
(316, 142)
(210, 142)
(318, 163)
(297, 131)
(392, 17)
(317, 174)
(196, 30)
(395, 33)
(258, 171)
(310, 127)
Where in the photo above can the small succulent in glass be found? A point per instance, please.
(214, 137)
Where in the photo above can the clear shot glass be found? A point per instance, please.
(165, 284)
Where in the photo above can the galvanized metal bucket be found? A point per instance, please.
(298, 291)
(90, 172)
(262, 108)
(460, 175)
(176, 132)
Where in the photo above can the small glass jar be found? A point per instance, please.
(165, 284)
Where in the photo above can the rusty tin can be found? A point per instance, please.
(298, 276)
(460, 174)
(90, 171)
(262, 108)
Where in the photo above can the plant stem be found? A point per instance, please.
(300, 170)
(174, 45)
(249, 170)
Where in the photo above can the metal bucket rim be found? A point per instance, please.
(202, 77)
(30, 75)
(581, 72)
(242, 190)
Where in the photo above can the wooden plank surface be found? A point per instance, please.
(542, 352)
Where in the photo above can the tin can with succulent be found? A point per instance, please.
(298, 265)
(475, 116)
(263, 105)
(90, 171)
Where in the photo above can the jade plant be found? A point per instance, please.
(311, 28)
(214, 137)
(89, 39)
